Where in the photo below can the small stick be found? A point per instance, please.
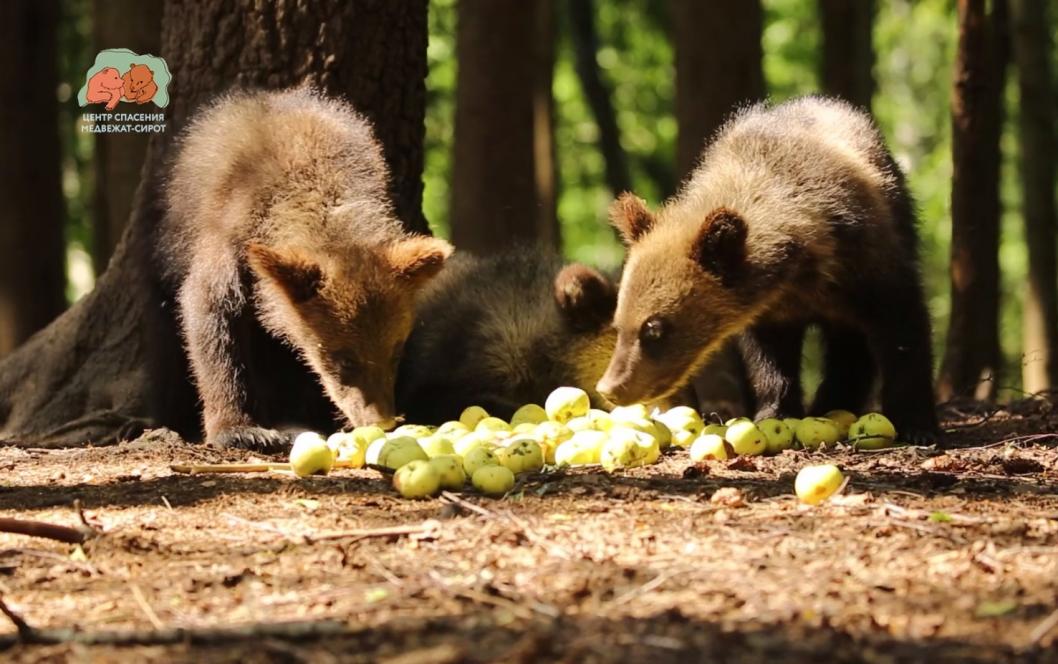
(171, 635)
(137, 595)
(192, 469)
(427, 526)
(466, 504)
(25, 632)
(1044, 628)
(52, 531)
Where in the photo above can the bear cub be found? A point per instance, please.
(796, 215)
(296, 282)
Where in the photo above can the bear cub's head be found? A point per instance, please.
(683, 292)
(348, 314)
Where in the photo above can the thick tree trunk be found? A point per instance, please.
(718, 68)
(32, 250)
(118, 158)
(114, 363)
(1032, 53)
(500, 194)
(848, 53)
(598, 93)
(971, 358)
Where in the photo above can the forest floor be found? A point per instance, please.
(928, 555)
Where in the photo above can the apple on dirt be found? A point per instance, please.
(709, 446)
(565, 403)
(437, 445)
(843, 419)
(628, 448)
(417, 479)
(814, 484)
(778, 435)
(449, 468)
(681, 418)
(310, 455)
(745, 438)
(493, 480)
(873, 431)
(478, 457)
(815, 431)
(523, 456)
(584, 448)
(399, 451)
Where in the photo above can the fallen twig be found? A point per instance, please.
(1043, 629)
(148, 611)
(195, 635)
(68, 534)
(428, 526)
(25, 632)
(466, 504)
(192, 469)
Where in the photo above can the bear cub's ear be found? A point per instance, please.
(720, 246)
(586, 298)
(298, 277)
(418, 258)
(630, 216)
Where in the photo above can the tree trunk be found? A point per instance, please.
(1032, 53)
(500, 193)
(971, 358)
(114, 363)
(718, 68)
(598, 93)
(118, 158)
(848, 52)
(32, 249)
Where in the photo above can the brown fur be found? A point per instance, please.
(504, 331)
(292, 269)
(797, 214)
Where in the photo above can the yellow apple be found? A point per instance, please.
(709, 446)
(478, 457)
(523, 456)
(493, 480)
(471, 415)
(746, 439)
(310, 455)
(873, 431)
(565, 403)
(450, 469)
(779, 436)
(530, 413)
(814, 484)
(417, 479)
(815, 431)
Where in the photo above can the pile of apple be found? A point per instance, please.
(565, 431)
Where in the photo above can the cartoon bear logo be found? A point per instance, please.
(122, 75)
(139, 85)
(105, 87)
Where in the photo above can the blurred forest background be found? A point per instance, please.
(611, 120)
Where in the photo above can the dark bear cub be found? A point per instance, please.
(296, 283)
(796, 215)
(504, 331)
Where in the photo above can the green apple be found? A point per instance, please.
(471, 440)
(583, 423)
(792, 422)
(746, 439)
(493, 480)
(715, 429)
(843, 419)
(565, 403)
(478, 457)
(628, 448)
(523, 455)
(310, 455)
(415, 431)
(635, 411)
(373, 450)
(600, 419)
(681, 418)
(348, 450)
(815, 431)
(523, 428)
(585, 447)
(492, 424)
(399, 451)
(437, 445)
(709, 446)
(873, 431)
(450, 469)
(530, 413)
(736, 419)
(453, 428)
(778, 435)
(471, 415)
(814, 484)
(683, 438)
(417, 479)
(550, 435)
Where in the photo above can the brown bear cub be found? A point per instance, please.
(796, 215)
(292, 270)
(503, 331)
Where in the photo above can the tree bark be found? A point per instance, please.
(118, 158)
(114, 363)
(500, 193)
(718, 68)
(848, 53)
(1032, 53)
(971, 359)
(32, 249)
(598, 93)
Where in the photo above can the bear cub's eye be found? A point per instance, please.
(653, 330)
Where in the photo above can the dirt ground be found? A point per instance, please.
(939, 555)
